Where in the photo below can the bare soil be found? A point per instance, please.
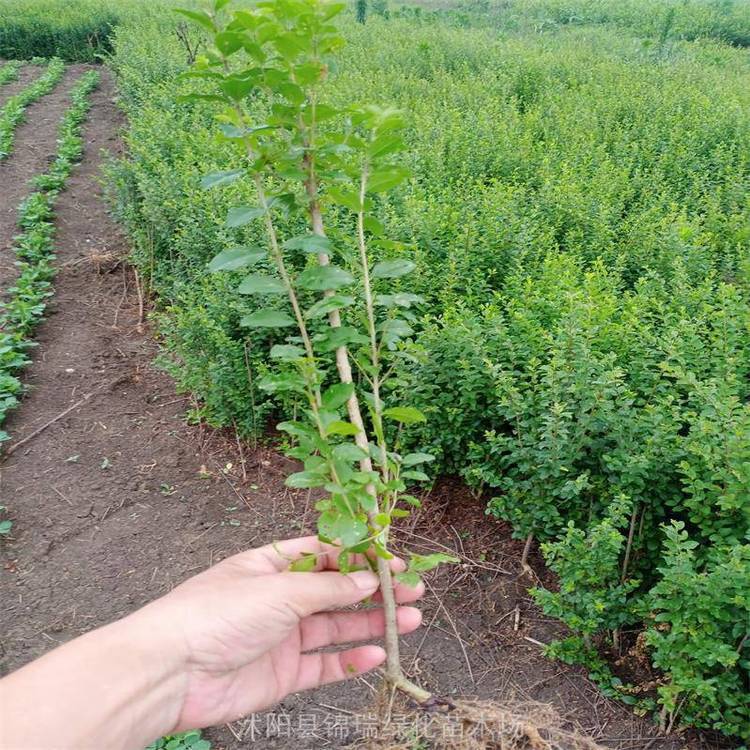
(121, 500)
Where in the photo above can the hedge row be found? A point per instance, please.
(580, 219)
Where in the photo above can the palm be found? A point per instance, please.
(253, 632)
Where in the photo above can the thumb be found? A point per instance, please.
(307, 593)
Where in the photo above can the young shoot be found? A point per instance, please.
(340, 317)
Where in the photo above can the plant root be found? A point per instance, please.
(475, 725)
(418, 695)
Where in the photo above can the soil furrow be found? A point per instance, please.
(34, 149)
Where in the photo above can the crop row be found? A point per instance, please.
(9, 72)
(34, 250)
(13, 111)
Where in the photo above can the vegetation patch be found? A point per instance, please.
(13, 111)
(573, 198)
(34, 249)
(9, 72)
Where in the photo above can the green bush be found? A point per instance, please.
(700, 638)
(580, 220)
(74, 32)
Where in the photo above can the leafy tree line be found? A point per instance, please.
(577, 320)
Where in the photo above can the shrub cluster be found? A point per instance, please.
(580, 219)
(73, 32)
(725, 20)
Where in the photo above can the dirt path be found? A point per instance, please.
(34, 148)
(121, 500)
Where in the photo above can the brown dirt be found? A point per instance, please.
(121, 500)
(34, 149)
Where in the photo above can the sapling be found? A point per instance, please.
(319, 166)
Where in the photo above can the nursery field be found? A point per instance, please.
(543, 274)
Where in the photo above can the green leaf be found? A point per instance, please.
(401, 299)
(392, 269)
(329, 304)
(305, 564)
(346, 197)
(5, 527)
(309, 243)
(349, 452)
(413, 459)
(423, 563)
(217, 179)
(387, 178)
(239, 85)
(405, 414)
(340, 427)
(198, 16)
(395, 329)
(408, 578)
(385, 144)
(236, 257)
(417, 476)
(373, 226)
(287, 352)
(242, 215)
(267, 319)
(228, 42)
(283, 382)
(303, 480)
(347, 529)
(337, 395)
(295, 428)
(336, 337)
(258, 283)
(322, 278)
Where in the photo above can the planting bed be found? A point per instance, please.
(569, 207)
(120, 500)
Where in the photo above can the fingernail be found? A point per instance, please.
(365, 580)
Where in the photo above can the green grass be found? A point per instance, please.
(9, 72)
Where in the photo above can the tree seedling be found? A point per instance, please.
(316, 168)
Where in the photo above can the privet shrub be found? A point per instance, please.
(579, 218)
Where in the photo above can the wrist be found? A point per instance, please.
(156, 650)
(121, 686)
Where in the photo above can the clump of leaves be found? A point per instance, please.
(593, 595)
(186, 741)
(266, 70)
(6, 525)
(701, 634)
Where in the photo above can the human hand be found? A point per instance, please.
(244, 628)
